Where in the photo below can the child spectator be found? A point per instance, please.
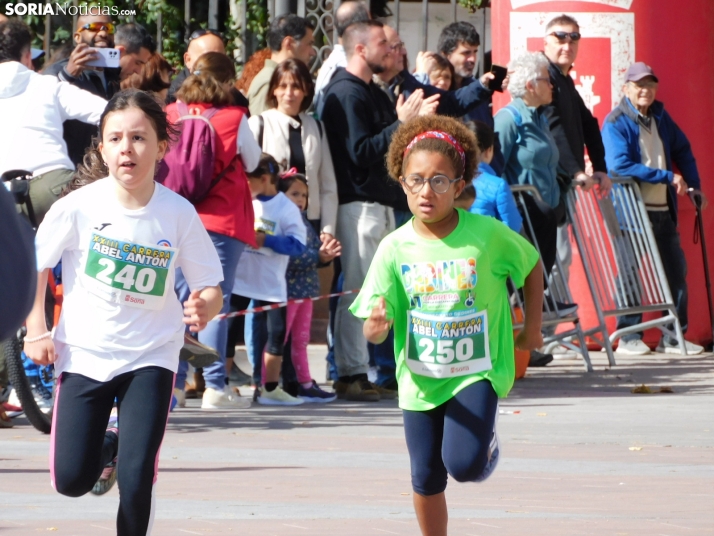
(441, 73)
(303, 283)
(260, 275)
(489, 195)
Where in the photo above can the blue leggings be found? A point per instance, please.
(452, 438)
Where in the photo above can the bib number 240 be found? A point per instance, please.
(142, 281)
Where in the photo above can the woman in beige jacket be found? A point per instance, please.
(296, 140)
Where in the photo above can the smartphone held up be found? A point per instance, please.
(105, 57)
(499, 72)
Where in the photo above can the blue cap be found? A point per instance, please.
(37, 53)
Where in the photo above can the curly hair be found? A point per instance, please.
(251, 68)
(397, 162)
(523, 69)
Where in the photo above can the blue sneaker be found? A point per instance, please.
(493, 455)
(315, 394)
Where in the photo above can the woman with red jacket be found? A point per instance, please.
(227, 210)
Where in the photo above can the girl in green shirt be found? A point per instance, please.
(440, 280)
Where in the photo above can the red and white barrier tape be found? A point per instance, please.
(282, 304)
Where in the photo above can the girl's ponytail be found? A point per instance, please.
(90, 170)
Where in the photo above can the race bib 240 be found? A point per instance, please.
(447, 345)
(128, 273)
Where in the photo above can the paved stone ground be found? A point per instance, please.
(580, 455)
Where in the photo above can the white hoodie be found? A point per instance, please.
(32, 110)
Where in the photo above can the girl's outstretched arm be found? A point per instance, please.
(201, 307)
(41, 351)
(530, 337)
(376, 327)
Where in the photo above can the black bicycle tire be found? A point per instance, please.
(16, 372)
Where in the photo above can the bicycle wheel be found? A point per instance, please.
(16, 372)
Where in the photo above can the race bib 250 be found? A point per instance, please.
(128, 273)
(447, 345)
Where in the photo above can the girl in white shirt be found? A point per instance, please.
(120, 239)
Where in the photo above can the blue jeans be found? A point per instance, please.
(255, 336)
(383, 355)
(336, 287)
(675, 269)
(216, 333)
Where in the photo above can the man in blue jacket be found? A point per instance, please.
(642, 141)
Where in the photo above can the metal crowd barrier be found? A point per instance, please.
(621, 261)
(556, 290)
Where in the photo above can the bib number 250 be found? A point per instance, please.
(142, 281)
(443, 351)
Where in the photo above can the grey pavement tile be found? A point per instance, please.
(581, 455)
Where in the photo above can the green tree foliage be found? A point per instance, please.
(475, 5)
(149, 13)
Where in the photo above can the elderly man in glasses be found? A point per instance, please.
(572, 125)
(643, 141)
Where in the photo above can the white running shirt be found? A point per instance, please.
(120, 311)
(260, 274)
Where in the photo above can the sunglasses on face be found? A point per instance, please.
(200, 33)
(562, 36)
(109, 27)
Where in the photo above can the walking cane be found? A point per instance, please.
(696, 198)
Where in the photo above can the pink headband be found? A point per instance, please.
(438, 135)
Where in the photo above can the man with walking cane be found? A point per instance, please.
(642, 141)
(697, 199)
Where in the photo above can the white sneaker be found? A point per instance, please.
(278, 397)
(372, 373)
(214, 399)
(673, 348)
(634, 347)
(180, 397)
(562, 352)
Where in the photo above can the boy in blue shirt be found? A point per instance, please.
(489, 194)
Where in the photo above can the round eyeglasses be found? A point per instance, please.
(438, 183)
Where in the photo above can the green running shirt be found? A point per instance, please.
(449, 302)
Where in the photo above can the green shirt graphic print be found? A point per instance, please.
(449, 302)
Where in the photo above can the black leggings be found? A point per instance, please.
(452, 439)
(81, 447)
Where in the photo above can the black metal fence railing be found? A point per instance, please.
(174, 25)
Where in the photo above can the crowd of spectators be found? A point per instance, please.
(333, 134)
